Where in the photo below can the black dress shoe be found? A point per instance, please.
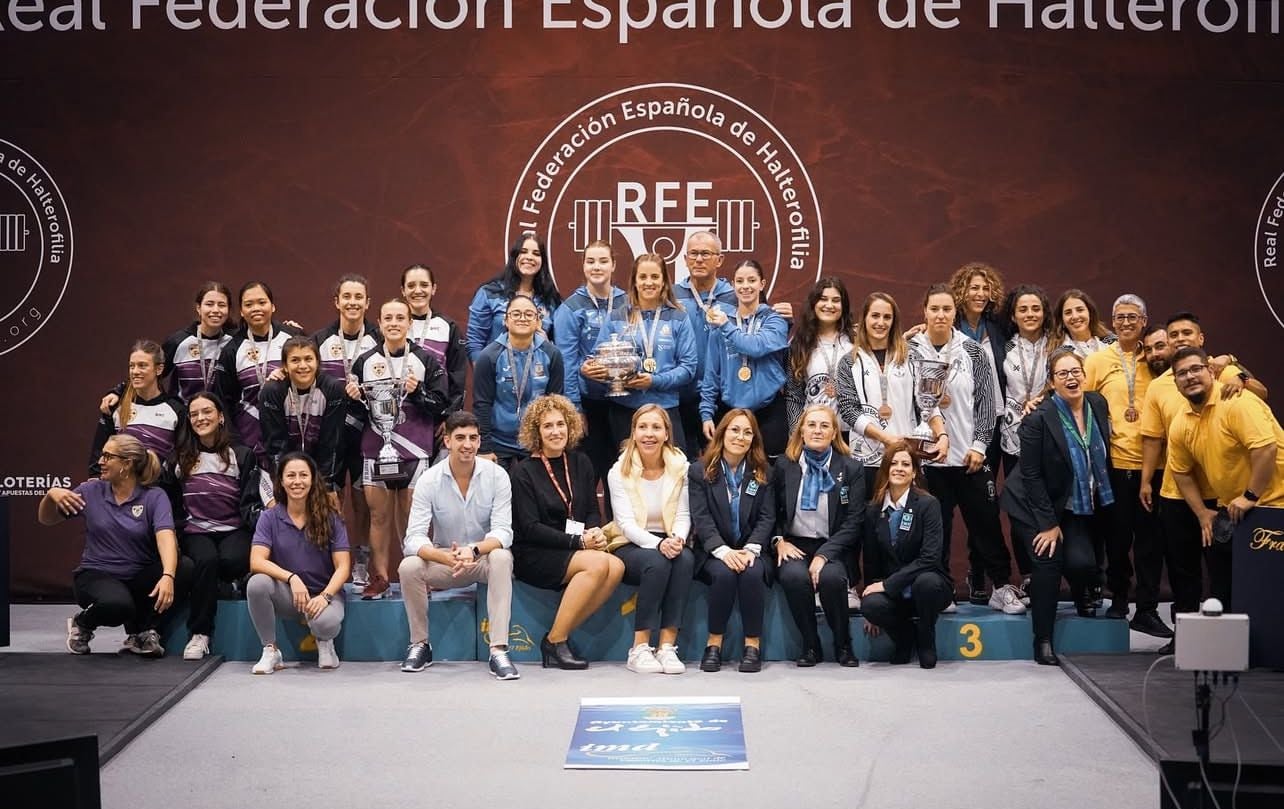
(752, 660)
(1043, 654)
(903, 645)
(1150, 623)
(926, 643)
(807, 659)
(712, 660)
(846, 658)
(1169, 648)
(1117, 610)
(1085, 609)
(1095, 594)
(560, 656)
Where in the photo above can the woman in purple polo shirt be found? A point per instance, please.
(299, 560)
(126, 574)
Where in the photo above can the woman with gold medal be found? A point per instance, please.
(661, 333)
(745, 360)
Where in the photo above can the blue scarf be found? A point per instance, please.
(816, 477)
(733, 477)
(1088, 457)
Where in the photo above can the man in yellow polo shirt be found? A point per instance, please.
(1119, 373)
(1235, 443)
(1163, 404)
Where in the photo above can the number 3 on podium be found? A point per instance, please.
(972, 646)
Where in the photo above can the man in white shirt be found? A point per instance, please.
(467, 502)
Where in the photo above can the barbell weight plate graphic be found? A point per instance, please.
(735, 225)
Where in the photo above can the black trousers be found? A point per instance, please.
(1134, 529)
(600, 443)
(621, 421)
(111, 601)
(726, 585)
(1185, 550)
(795, 580)
(930, 592)
(975, 496)
(1019, 551)
(662, 584)
(214, 557)
(773, 424)
(1074, 559)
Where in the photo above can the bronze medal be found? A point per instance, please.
(945, 400)
(746, 373)
(885, 412)
(649, 365)
(1131, 414)
(830, 391)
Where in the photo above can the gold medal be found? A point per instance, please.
(649, 365)
(830, 391)
(745, 373)
(1131, 414)
(885, 412)
(945, 400)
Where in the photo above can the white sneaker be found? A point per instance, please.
(197, 647)
(1007, 600)
(951, 607)
(327, 658)
(270, 661)
(360, 575)
(668, 659)
(642, 660)
(853, 599)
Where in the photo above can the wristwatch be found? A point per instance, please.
(1251, 496)
(329, 599)
(476, 552)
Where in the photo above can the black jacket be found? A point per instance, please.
(846, 502)
(711, 511)
(918, 550)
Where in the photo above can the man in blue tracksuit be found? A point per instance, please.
(697, 292)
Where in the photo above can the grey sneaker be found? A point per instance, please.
(418, 657)
(78, 638)
(501, 666)
(145, 644)
(1007, 600)
(327, 657)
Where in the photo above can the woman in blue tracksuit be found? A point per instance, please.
(510, 373)
(661, 333)
(745, 363)
(526, 273)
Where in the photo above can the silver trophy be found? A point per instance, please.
(383, 398)
(620, 359)
(930, 378)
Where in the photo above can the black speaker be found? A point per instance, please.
(60, 774)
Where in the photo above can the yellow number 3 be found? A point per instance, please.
(972, 634)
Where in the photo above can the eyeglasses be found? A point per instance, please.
(523, 315)
(1190, 370)
(1068, 373)
(701, 255)
(111, 456)
(1127, 317)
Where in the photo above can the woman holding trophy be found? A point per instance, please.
(745, 365)
(660, 334)
(406, 392)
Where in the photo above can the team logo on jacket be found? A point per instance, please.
(137, 511)
(379, 368)
(35, 246)
(336, 351)
(713, 163)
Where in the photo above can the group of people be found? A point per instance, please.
(751, 445)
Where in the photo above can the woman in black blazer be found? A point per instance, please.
(733, 512)
(1062, 484)
(904, 567)
(820, 504)
(558, 542)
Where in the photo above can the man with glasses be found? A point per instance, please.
(699, 291)
(1234, 443)
(1119, 373)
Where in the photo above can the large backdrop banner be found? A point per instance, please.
(150, 145)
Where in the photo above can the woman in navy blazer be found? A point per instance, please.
(820, 504)
(1062, 485)
(733, 512)
(904, 567)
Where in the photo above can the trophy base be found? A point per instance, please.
(923, 441)
(612, 393)
(389, 472)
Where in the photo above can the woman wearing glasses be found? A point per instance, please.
(1055, 499)
(515, 370)
(526, 273)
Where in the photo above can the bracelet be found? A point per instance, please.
(171, 576)
(287, 578)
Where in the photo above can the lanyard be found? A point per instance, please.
(349, 360)
(750, 330)
(1084, 439)
(424, 324)
(732, 480)
(261, 368)
(299, 402)
(704, 305)
(520, 377)
(207, 371)
(610, 302)
(568, 496)
(1130, 376)
(648, 337)
(1029, 368)
(400, 376)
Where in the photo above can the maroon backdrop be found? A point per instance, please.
(1114, 161)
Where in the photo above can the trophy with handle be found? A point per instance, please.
(383, 399)
(620, 359)
(930, 378)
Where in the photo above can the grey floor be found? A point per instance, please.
(963, 735)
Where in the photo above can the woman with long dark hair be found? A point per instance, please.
(434, 332)
(824, 334)
(144, 410)
(1078, 324)
(905, 573)
(192, 353)
(213, 488)
(733, 511)
(527, 273)
(299, 560)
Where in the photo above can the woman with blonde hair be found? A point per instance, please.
(651, 500)
(558, 542)
(820, 497)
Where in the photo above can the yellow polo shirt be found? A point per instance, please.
(1163, 404)
(1105, 374)
(1218, 440)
